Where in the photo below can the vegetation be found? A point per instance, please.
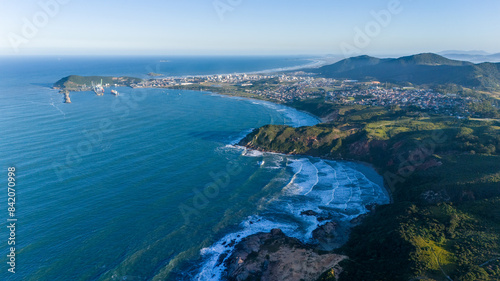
(79, 83)
(430, 69)
(405, 241)
(444, 174)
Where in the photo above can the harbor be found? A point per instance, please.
(98, 89)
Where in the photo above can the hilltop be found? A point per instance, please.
(420, 69)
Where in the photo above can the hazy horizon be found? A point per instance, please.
(239, 27)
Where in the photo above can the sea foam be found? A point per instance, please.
(332, 189)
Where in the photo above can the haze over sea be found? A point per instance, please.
(102, 183)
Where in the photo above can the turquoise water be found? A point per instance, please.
(149, 185)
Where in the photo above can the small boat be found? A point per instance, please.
(115, 92)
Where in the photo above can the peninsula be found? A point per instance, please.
(77, 83)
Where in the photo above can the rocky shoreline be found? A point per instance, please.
(275, 256)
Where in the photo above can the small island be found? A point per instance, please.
(153, 74)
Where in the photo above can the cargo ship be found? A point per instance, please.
(98, 89)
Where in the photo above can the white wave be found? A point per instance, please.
(293, 117)
(299, 119)
(252, 153)
(316, 181)
(272, 161)
(312, 184)
(376, 193)
(296, 168)
(327, 181)
(305, 178)
(211, 270)
(241, 136)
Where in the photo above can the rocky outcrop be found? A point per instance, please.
(276, 257)
(327, 236)
(309, 213)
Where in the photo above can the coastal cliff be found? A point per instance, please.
(443, 174)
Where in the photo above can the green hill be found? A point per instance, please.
(418, 69)
(428, 59)
(78, 83)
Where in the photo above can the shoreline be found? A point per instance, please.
(261, 100)
(295, 123)
(327, 232)
(366, 164)
(256, 98)
(236, 144)
(314, 63)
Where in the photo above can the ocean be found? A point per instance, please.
(150, 185)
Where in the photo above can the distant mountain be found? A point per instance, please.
(425, 68)
(470, 53)
(477, 57)
(494, 56)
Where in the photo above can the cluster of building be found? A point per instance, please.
(300, 86)
(242, 79)
(449, 104)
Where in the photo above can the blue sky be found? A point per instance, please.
(247, 27)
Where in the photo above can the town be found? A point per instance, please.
(286, 88)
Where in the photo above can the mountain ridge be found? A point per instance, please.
(424, 68)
